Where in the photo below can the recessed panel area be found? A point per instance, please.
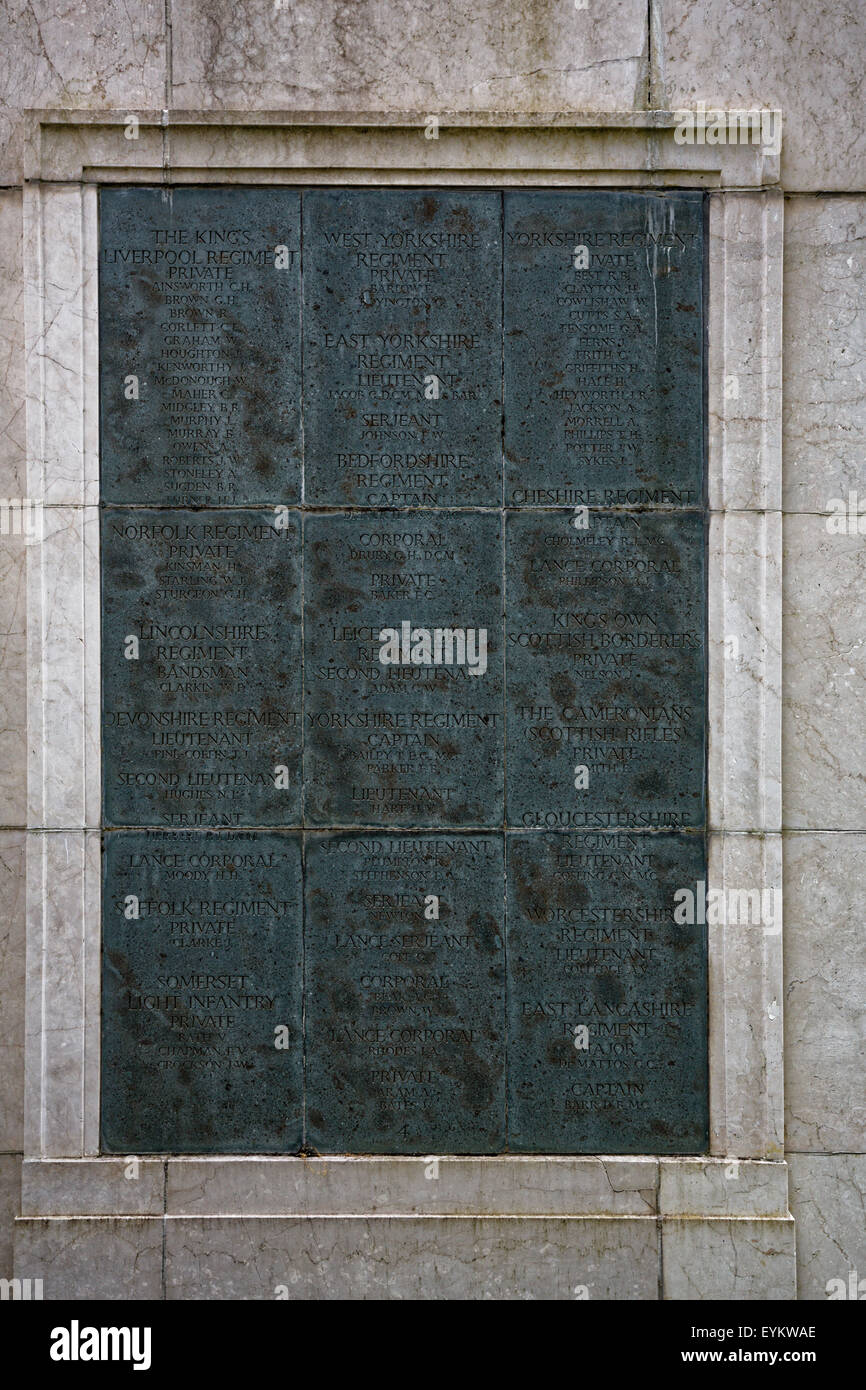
(404, 671)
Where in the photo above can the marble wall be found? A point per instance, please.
(381, 55)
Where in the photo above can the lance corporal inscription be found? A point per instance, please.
(201, 992)
(405, 989)
(403, 542)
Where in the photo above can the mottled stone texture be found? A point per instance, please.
(201, 658)
(118, 1258)
(732, 1261)
(828, 1206)
(13, 549)
(825, 968)
(605, 666)
(12, 908)
(604, 368)
(10, 1206)
(824, 709)
(397, 743)
(478, 1257)
(12, 443)
(804, 59)
(405, 994)
(593, 948)
(402, 348)
(405, 1045)
(824, 354)
(13, 720)
(383, 56)
(105, 55)
(808, 61)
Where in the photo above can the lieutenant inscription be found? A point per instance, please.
(402, 353)
(403, 634)
(605, 666)
(201, 667)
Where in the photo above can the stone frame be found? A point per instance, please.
(68, 155)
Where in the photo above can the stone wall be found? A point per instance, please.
(621, 56)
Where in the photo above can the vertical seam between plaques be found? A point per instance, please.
(503, 629)
(660, 1249)
(164, 1290)
(303, 748)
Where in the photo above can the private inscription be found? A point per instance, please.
(405, 990)
(201, 992)
(403, 635)
(201, 667)
(604, 349)
(404, 613)
(605, 670)
(200, 345)
(402, 348)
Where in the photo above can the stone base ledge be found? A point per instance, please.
(436, 1186)
(579, 1258)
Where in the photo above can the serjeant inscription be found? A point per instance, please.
(402, 348)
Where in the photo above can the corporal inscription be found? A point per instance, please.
(405, 990)
(604, 349)
(605, 669)
(201, 662)
(199, 342)
(201, 992)
(401, 726)
(607, 995)
(402, 351)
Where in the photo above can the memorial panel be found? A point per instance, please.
(405, 994)
(403, 665)
(326, 615)
(200, 345)
(403, 348)
(201, 992)
(201, 667)
(607, 1001)
(604, 374)
(605, 669)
